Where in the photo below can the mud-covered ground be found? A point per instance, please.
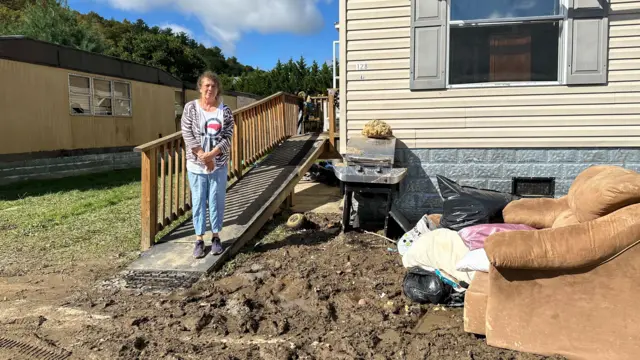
(308, 294)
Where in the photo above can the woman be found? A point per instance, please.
(207, 127)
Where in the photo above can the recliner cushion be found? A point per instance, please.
(610, 189)
(539, 213)
(566, 218)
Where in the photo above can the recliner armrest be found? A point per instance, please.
(570, 247)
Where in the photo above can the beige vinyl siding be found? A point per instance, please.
(377, 33)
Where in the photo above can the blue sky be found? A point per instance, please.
(257, 32)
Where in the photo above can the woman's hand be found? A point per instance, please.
(198, 152)
(210, 165)
(208, 156)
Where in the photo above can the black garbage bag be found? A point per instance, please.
(423, 286)
(465, 206)
(456, 299)
(322, 173)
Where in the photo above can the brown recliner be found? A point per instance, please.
(572, 287)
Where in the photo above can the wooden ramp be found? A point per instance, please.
(250, 203)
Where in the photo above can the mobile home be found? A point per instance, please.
(490, 92)
(67, 111)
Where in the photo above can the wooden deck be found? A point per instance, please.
(250, 202)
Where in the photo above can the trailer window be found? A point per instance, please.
(102, 104)
(79, 95)
(101, 97)
(122, 98)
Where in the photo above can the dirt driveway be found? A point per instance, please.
(309, 294)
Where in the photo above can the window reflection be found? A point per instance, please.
(506, 53)
(496, 9)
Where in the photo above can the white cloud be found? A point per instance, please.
(176, 29)
(525, 4)
(226, 20)
(499, 15)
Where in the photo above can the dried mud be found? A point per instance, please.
(308, 294)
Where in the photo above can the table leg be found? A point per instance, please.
(387, 214)
(346, 211)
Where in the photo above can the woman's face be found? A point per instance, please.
(208, 89)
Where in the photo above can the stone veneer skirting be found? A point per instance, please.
(64, 166)
(494, 169)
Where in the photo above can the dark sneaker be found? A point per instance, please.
(216, 246)
(198, 251)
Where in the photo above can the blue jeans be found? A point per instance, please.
(212, 188)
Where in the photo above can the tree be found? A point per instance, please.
(301, 73)
(178, 54)
(8, 16)
(312, 81)
(13, 4)
(326, 76)
(214, 59)
(278, 78)
(53, 21)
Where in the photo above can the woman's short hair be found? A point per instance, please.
(213, 77)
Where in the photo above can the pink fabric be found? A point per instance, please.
(474, 236)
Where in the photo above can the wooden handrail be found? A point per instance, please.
(167, 139)
(259, 127)
(261, 101)
(155, 143)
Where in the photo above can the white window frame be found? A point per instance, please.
(92, 95)
(562, 48)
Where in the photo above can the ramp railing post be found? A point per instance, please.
(237, 139)
(332, 117)
(283, 119)
(149, 202)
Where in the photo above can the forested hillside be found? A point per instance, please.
(54, 21)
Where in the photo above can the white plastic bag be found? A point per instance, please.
(439, 249)
(475, 260)
(422, 227)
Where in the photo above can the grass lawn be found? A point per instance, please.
(58, 223)
(62, 223)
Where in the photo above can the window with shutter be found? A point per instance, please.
(588, 32)
(428, 39)
(458, 43)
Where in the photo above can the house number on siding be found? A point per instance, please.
(361, 66)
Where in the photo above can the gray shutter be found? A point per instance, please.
(588, 32)
(428, 44)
